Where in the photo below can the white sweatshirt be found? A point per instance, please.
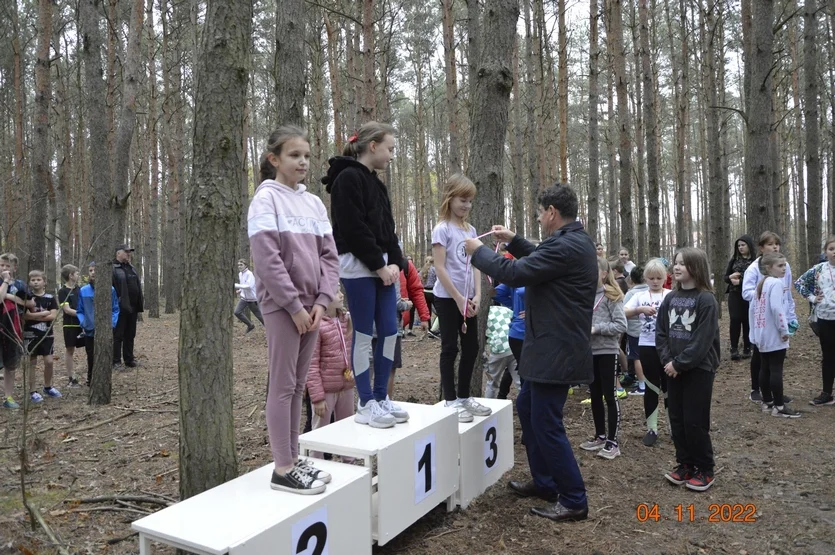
(770, 321)
(247, 286)
(750, 281)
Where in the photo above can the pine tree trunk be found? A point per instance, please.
(651, 130)
(490, 97)
(151, 296)
(207, 430)
(810, 112)
(532, 102)
(718, 218)
(639, 172)
(14, 195)
(102, 242)
(760, 194)
(41, 147)
(611, 189)
(335, 88)
(615, 32)
(369, 104)
(451, 84)
(64, 192)
(290, 61)
(562, 91)
(797, 151)
(593, 222)
(516, 136)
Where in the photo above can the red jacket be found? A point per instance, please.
(330, 360)
(411, 288)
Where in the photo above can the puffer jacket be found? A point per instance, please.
(331, 356)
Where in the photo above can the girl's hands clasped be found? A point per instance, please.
(303, 321)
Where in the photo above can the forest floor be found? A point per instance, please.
(784, 468)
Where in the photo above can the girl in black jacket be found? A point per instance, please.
(744, 254)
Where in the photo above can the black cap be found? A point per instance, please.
(124, 247)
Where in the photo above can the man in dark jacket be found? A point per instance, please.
(560, 276)
(129, 288)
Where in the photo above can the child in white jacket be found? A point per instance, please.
(246, 290)
(769, 242)
(770, 333)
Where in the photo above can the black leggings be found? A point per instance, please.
(604, 386)
(755, 368)
(738, 312)
(450, 322)
(826, 334)
(771, 376)
(507, 379)
(656, 381)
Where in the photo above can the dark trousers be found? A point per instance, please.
(826, 334)
(89, 348)
(656, 381)
(450, 322)
(123, 336)
(507, 378)
(690, 394)
(604, 386)
(771, 376)
(550, 457)
(240, 312)
(738, 312)
(755, 368)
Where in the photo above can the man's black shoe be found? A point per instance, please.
(132, 364)
(530, 489)
(558, 513)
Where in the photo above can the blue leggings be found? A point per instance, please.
(371, 302)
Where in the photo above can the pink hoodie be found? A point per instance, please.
(296, 265)
(331, 356)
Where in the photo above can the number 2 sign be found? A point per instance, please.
(424, 466)
(310, 534)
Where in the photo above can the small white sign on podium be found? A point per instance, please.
(485, 451)
(246, 517)
(417, 463)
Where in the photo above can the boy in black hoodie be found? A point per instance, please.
(370, 261)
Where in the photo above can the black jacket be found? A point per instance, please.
(363, 224)
(739, 264)
(128, 287)
(560, 279)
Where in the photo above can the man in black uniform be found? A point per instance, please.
(129, 288)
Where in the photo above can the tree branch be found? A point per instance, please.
(337, 12)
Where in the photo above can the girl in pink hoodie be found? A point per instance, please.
(330, 381)
(296, 277)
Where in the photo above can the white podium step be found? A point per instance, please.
(485, 448)
(416, 462)
(246, 517)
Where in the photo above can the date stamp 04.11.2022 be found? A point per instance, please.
(716, 512)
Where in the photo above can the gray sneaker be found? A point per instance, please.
(594, 444)
(464, 415)
(374, 415)
(399, 414)
(475, 408)
(609, 451)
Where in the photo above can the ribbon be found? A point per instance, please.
(465, 308)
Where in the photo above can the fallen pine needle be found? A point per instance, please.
(447, 532)
(103, 422)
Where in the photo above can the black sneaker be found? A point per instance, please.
(628, 380)
(650, 438)
(785, 412)
(307, 467)
(746, 354)
(131, 364)
(823, 399)
(756, 396)
(680, 475)
(701, 481)
(249, 329)
(297, 481)
(787, 399)
(735, 354)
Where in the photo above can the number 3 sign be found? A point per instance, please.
(491, 449)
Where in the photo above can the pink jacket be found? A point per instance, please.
(296, 265)
(331, 357)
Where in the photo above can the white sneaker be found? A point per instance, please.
(399, 414)
(464, 415)
(475, 408)
(374, 415)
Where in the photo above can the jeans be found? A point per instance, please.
(550, 457)
(240, 312)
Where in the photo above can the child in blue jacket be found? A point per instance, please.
(86, 316)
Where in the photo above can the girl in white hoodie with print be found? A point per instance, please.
(770, 333)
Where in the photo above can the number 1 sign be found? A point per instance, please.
(424, 465)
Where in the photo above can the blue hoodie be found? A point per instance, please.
(513, 297)
(86, 310)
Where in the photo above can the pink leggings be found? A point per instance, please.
(340, 405)
(289, 360)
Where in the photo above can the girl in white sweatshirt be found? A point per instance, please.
(770, 333)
